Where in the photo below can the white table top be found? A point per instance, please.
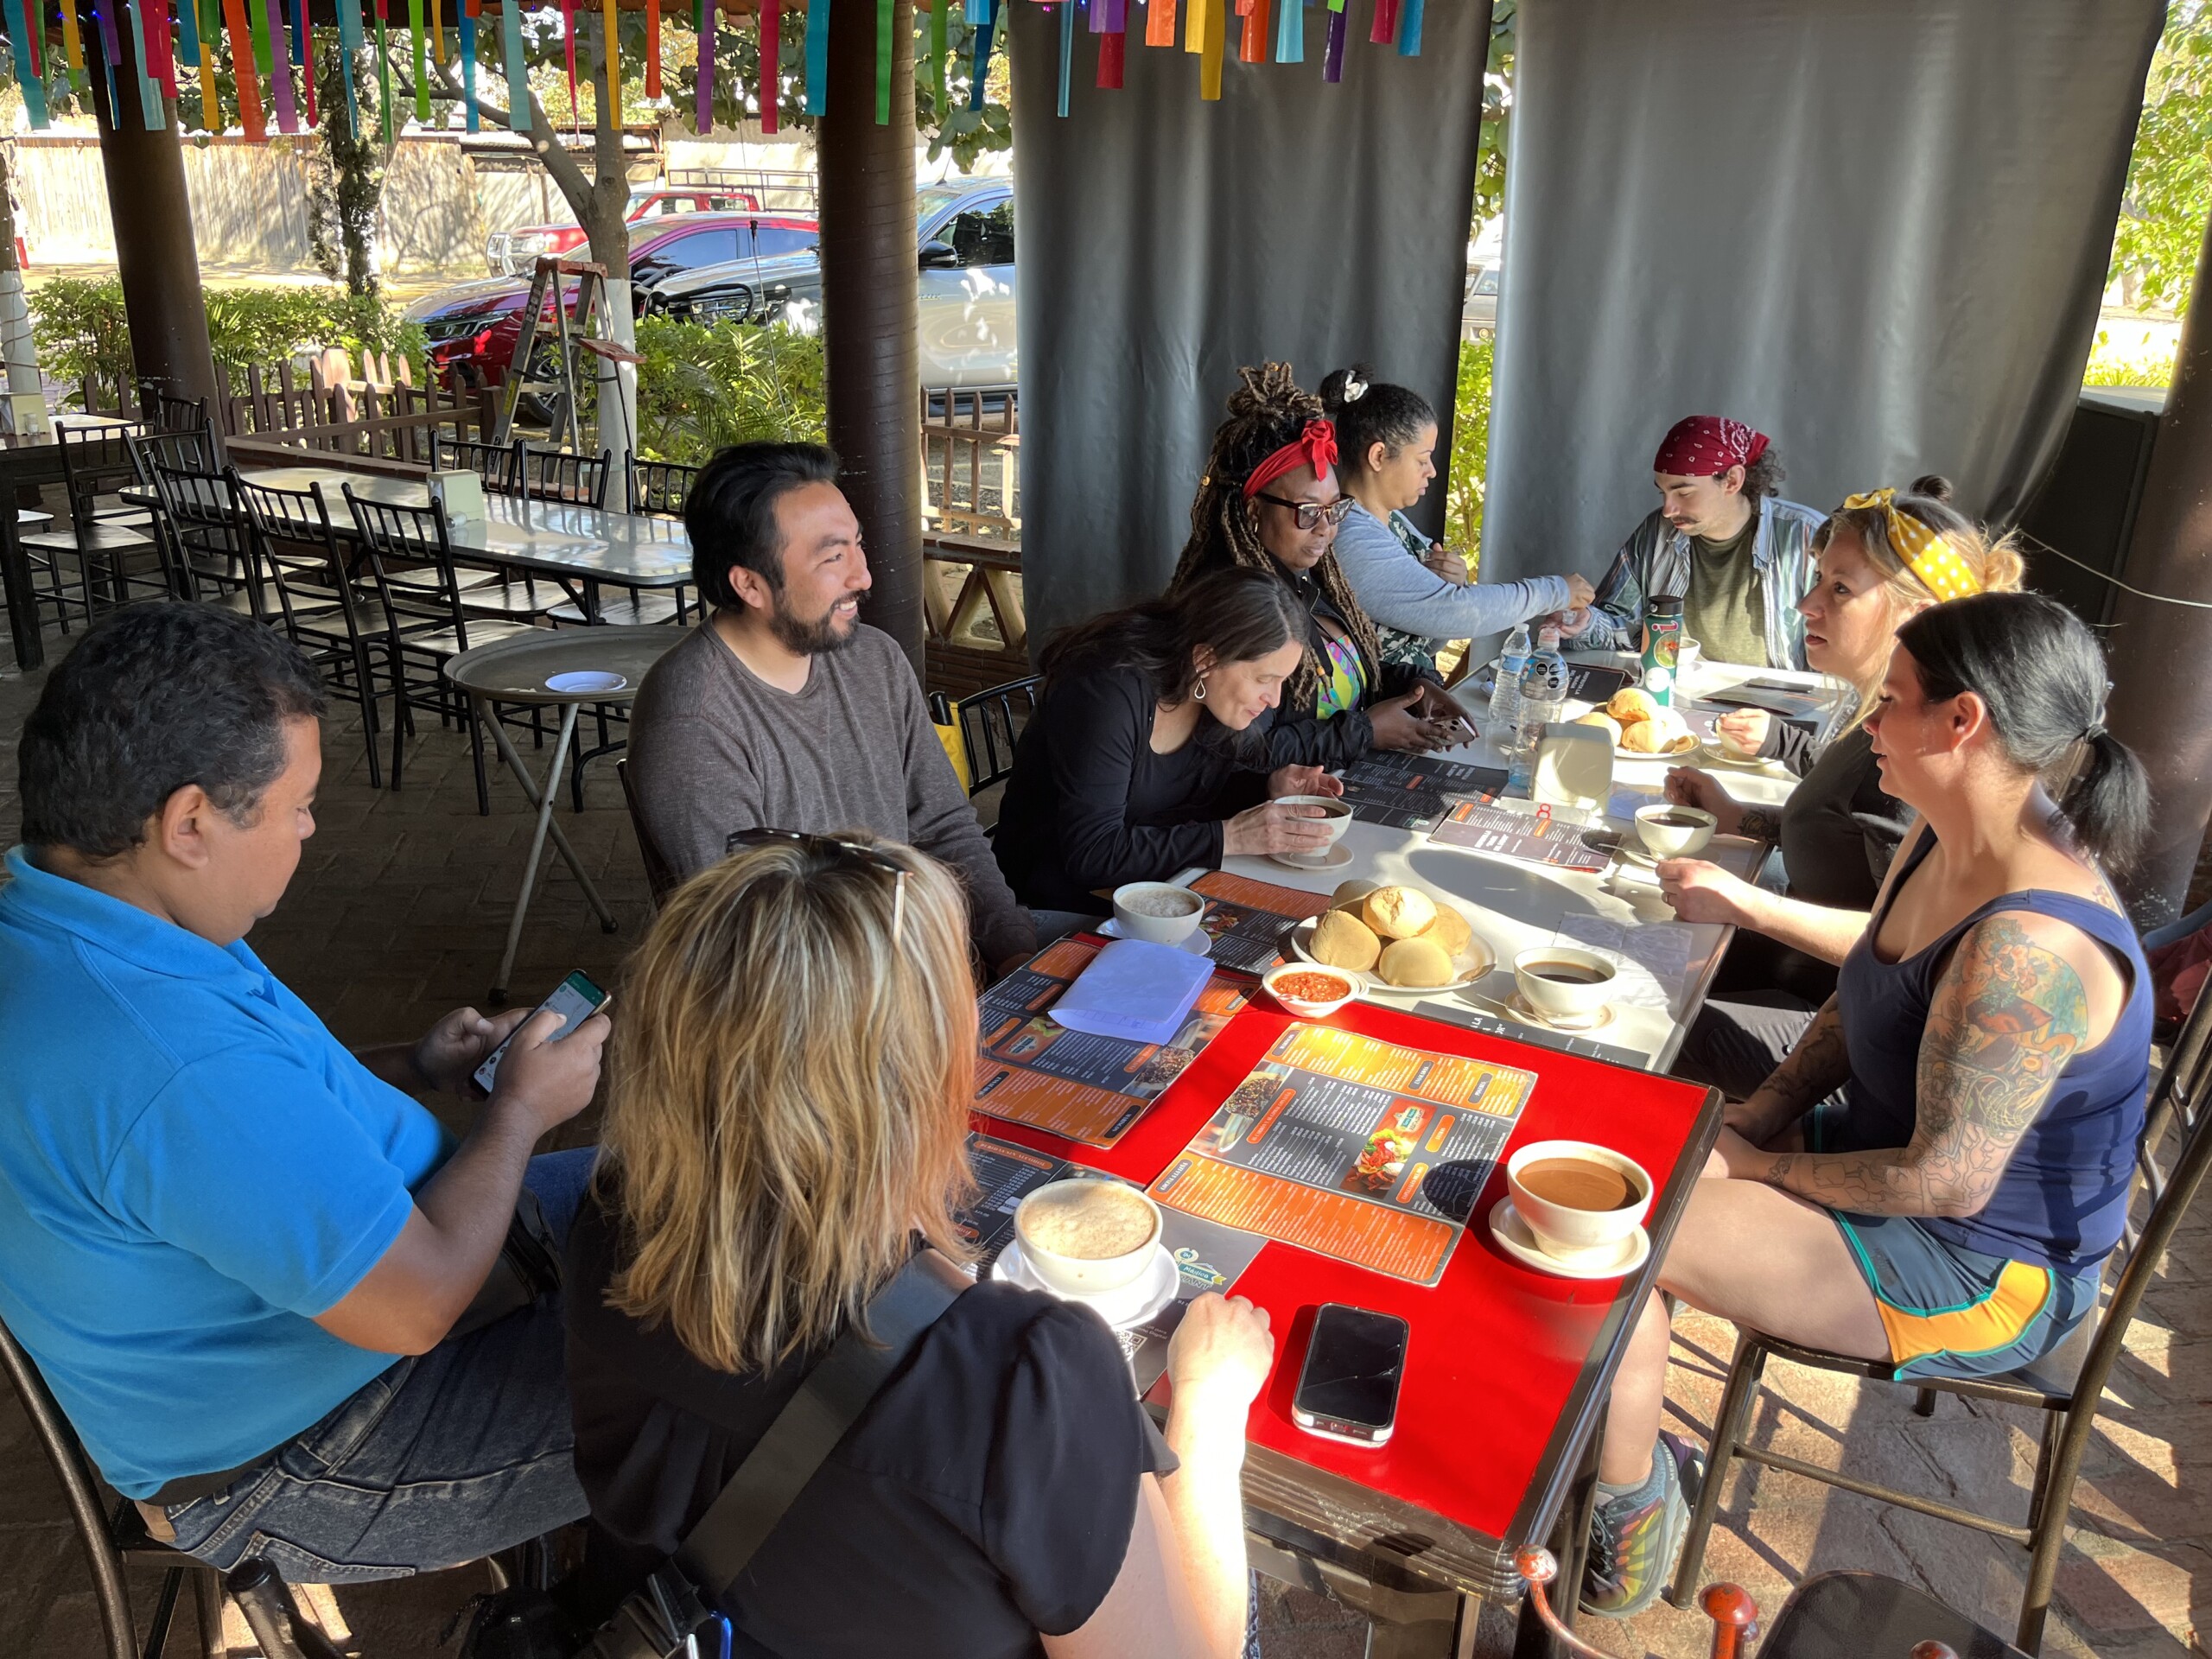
(1666, 964)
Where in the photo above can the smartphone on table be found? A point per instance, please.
(576, 999)
(1348, 1388)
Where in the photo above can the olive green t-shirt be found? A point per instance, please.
(1724, 612)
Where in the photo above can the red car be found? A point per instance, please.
(473, 328)
(514, 253)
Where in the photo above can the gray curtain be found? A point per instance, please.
(1163, 241)
(1877, 229)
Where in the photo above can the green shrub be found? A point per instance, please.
(80, 329)
(703, 385)
(1469, 473)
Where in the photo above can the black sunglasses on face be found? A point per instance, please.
(1309, 514)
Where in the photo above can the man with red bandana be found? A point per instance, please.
(1723, 542)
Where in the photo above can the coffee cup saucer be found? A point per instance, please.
(1132, 1304)
(1198, 942)
(1513, 1237)
(1334, 858)
(1518, 1006)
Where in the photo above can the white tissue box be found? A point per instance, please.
(1574, 767)
(462, 493)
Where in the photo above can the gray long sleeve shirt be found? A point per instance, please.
(714, 749)
(1398, 591)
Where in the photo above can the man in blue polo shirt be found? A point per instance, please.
(236, 1250)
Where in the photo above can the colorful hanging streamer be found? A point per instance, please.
(161, 51)
(472, 110)
(349, 47)
(36, 47)
(1290, 32)
(987, 30)
(652, 49)
(772, 66)
(1409, 29)
(1252, 48)
(188, 37)
(611, 55)
(280, 68)
(437, 31)
(1159, 23)
(150, 90)
(1194, 25)
(303, 57)
(210, 48)
(72, 42)
(111, 49)
(1067, 51)
(817, 56)
(244, 71)
(1215, 44)
(1114, 56)
(418, 48)
(384, 72)
(19, 35)
(569, 44)
(1386, 23)
(511, 53)
(1332, 54)
(885, 15)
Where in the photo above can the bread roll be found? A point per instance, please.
(1350, 895)
(1606, 723)
(1449, 930)
(1416, 961)
(1398, 912)
(1342, 940)
(1662, 734)
(1631, 704)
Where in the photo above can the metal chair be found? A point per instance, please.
(661, 487)
(548, 474)
(112, 1536)
(988, 730)
(103, 533)
(335, 620)
(206, 542)
(660, 881)
(2065, 1385)
(498, 464)
(191, 449)
(410, 559)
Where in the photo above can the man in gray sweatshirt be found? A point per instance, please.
(783, 709)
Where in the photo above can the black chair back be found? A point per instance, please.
(95, 458)
(205, 537)
(988, 730)
(498, 464)
(661, 487)
(558, 476)
(660, 881)
(298, 549)
(187, 450)
(411, 555)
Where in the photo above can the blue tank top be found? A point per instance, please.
(2062, 1198)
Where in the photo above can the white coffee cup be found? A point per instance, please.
(1674, 840)
(1561, 998)
(1141, 924)
(1568, 1234)
(1336, 821)
(1082, 1276)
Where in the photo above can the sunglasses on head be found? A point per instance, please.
(832, 848)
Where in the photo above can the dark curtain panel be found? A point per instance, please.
(1164, 241)
(1877, 229)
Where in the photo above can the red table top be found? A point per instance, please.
(1500, 1356)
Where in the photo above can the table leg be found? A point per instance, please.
(16, 587)
(543, 801)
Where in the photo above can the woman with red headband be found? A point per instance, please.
(1721, 541)
(1270, 501)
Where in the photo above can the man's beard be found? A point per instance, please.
(809, 639)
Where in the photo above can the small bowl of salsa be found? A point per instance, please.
(1310, 992)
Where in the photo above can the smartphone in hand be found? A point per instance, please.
(576, 999)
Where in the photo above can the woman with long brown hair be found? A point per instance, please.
(786, 1123)
(1269, 500)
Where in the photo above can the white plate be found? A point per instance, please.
(1477, 961)
(1718, 751)
(1689, 746)
(1132, 1304)
(1198, 944)
(1513, 1237)
(1335, 859)
(582, 681)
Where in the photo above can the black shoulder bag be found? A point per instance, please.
(667, 1616)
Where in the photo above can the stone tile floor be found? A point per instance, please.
(398, 913)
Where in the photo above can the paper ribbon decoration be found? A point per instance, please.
(703, 28)
(1113, 55)
(303, 57)
(150, 90)
(817, 56)
(1332, 54)
(104, 20)
(652, 47)
(243, 69)
(1290, 32)
(19, 35)
(33, 43)
(1159, 23)
(280, 67)
(510, 52)
(1409, 29)
(771, 20)
(1194, 26)
(1336, 5)
(1217, 41)
(384, 72)
(73, 43)
(210, 47)
(437, 31)
(1253, 46)
(884, 10)
(940, 48)
(1109, 16)
(349, 47)
(1067, 52)
(1386, 23)
(987, 30)
(161, 51)
(568, 45)
(188, 37)
(419, 47)
(468, 103)
(611, 30)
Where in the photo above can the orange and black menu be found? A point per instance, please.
(1359, 1150)
(1249, 920)
(1090, 1089)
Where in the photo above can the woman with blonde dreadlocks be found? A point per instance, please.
(1269, 501)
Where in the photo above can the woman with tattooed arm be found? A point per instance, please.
(1935, 1174)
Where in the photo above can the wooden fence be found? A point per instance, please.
(971, 543)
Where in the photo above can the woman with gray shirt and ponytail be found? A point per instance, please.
(1416, 590)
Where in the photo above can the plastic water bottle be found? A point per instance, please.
(1505, 696)
(1543, 692)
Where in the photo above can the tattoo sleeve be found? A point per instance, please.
(2008, 1016)
(1816, 1068)
(1760, 823)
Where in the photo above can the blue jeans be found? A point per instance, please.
(445, 1457)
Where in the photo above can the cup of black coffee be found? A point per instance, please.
(1564, 981)
(1672, 831)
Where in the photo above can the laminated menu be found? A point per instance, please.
(1357, 1148)
(1411, 791)
(1032, 1070)
(1249, 920)
(1509, 833)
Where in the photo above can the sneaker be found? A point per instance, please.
(1635, 1536)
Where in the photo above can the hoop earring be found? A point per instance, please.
(1199, 691)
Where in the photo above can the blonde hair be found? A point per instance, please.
(789, 1096)
(1995, 563)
